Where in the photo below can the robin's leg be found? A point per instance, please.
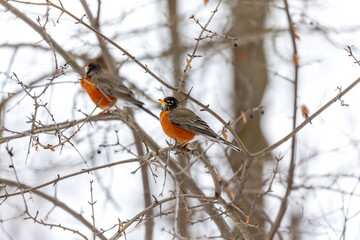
(184, 147)
(106, 113)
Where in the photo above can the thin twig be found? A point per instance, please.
(68, 58)
(57, 203)
(92, 203)
(198, 39)
(290, 177)
(308, 120)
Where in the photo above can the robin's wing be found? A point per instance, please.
(188, 120)
(114, 87)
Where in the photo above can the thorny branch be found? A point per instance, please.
(236, 214)
(198, 39)
(56, 203)
(35, 218)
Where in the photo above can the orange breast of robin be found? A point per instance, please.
(96, 96)
(173, 131)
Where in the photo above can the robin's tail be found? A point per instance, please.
(149, 112)
(219, 139)
(223, 141)
(231, 145)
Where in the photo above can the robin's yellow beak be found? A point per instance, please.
(86, 67)
(162, 101)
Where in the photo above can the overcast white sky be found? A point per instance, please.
(333, 136)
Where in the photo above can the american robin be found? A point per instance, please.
(105, 89)
(183, 124)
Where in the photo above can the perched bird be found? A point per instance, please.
(105, 89)
(183, 124)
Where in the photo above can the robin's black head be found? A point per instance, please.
(169, 103)
(92, 68)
